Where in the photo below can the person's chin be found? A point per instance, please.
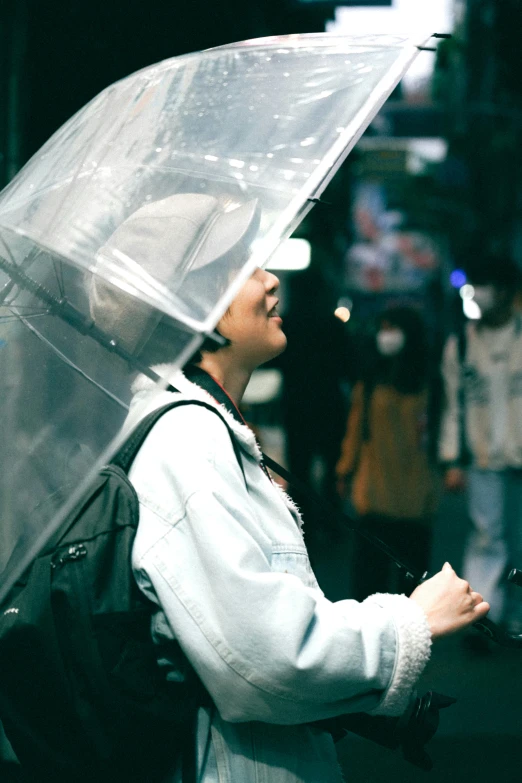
(276, 347)
(281, 344)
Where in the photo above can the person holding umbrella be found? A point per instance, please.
(220, 548)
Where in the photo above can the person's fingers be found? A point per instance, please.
(476, 598)
(447, 567)
(481, 610)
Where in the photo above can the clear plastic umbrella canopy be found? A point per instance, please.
(124, 239)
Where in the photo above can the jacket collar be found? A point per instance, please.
(189, 389)
(209, 384)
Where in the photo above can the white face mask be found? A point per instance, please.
(390, 341)
(484, 296)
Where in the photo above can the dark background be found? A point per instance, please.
(63, 53)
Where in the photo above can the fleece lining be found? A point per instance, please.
(413, 650)
(188, 390)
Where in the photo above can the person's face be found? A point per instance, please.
(486, 296)
(252, 323)
(495, 303)
(390, 339)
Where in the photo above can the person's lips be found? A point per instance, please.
(273, 312)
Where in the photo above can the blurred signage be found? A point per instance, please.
(386, 255)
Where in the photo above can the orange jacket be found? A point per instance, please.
(390, 470)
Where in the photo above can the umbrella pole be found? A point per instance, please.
(66, 311)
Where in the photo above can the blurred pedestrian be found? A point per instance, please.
(384, 468)
(481, 430)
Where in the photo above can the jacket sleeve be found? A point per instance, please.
(267, 646)
(353, 436)
(450, 436)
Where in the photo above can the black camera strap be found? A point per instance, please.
(212, 387)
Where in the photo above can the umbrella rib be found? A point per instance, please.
(63, 309)
(58, 272)
(28, 310)
(70, 363)
(5, 319)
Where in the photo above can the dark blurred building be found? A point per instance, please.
(479, 83)
(55, 56)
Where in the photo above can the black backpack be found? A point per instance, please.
(82, 697)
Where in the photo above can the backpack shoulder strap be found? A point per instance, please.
(125, 456)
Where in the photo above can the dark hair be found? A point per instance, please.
(207, 346)
(407, 371)
(168, 340)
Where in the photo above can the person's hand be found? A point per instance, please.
(455, 480)
(449, 602)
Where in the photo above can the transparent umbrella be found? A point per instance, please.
(136, 224)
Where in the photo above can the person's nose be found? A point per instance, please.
(271, 282)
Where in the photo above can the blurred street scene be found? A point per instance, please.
(399, 398)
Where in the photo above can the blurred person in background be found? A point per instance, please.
(384, 469)
(481, 435)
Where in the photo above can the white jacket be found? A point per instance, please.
(475, 378)
(227, 565)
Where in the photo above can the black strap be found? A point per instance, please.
(344, 519)
(125, 456)
(207, 383)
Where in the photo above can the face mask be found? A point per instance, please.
(390, 341)
(484, 296)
